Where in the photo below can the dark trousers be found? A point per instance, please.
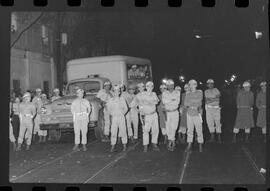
(16, 125)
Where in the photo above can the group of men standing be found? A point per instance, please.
(25, 116)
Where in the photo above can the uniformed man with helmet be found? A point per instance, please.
(27, 111)
(80, 109)
(104, 95)
(193, 102)
(162, 114)
(38, 104)
(56, 94)
(212, 108)
(148, 103)
(261, 105)
(171, 101)
(117, 109)
(244, 117)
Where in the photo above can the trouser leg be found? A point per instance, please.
(146, 129)
(198, 127)
(135, 122)
(114, 129)
(107, 122)
(128, 122)
(122, 130)
(155, 128)
(11, 135)
(84, 130)
(76, 132)
(217, 120)
(190, 129)
(21, 133)
(28, 134)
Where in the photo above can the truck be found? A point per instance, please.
(90, 75)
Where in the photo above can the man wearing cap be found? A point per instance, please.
(133, 73)
(117, 108)
(132, 119)
(162, 113)
(56, 94)
(137, 102)
(27, 111)
(171, 100)
(183, 113)
(212, 108)
(148, 109)
(38, 103)
(193, 102)
(244, 118)
(80, 109)
(104, 95)
(261, 105)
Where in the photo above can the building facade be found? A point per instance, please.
(31, 62)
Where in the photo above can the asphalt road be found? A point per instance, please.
(218, 164)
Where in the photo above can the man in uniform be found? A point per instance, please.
(56, 94)
(117, 109)
(80, 109)
(11, 135)
(104, 95)
(183, 112)
(261, 105)
(171, 100)
(193, 102)
(133, 73)
(162, 114)
(244, 118)
(148, 103)
(132, 118)
(15, 117)
(212, 109)
(27, 112)
(38, 103)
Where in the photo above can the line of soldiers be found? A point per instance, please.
(25, 116)
(167, 109)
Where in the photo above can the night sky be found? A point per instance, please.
(167, 37)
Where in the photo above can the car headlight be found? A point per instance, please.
(43, 110)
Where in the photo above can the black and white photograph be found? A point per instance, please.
(173, 96)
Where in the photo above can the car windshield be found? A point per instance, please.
(139, 72)
(87, 86)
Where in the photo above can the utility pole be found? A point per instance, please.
(58, 51)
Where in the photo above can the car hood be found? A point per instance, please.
(70, 98)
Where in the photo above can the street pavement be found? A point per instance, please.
(225, 163)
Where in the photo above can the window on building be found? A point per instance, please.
(17, 87)
(14, 23)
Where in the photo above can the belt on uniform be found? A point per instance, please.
(212, 106)
(150, 113)
(192, 107)
(172, 110)
(81, 113)
(244, 106)
(27, 115)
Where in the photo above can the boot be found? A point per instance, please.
(219, 138)
(145, 148)
(169, 145)
(44, 139)
(27, 147)
(155, 147)
(179, 138)
(234, 138)
(14, 146)
(165, 139)
(76, 147)
(112, 148)
(247, 138)
(212, 138)
(19, 147)
(131, 139)
(188, 148)
(200, 147)
(84, 147)
(183, 138)
(124, 147)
